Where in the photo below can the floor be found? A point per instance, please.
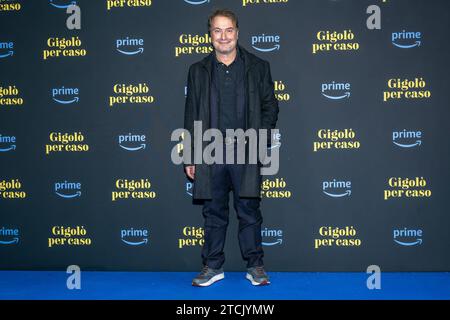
(177, 286)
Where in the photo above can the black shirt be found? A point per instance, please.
(227, 79)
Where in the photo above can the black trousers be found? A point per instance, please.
(227, 177)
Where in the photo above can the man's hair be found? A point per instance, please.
(223, 13)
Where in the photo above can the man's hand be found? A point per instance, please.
(190, 171)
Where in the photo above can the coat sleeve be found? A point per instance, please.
(269, 104)
(189, 109)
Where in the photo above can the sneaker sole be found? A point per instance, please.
(264, 283)
(210, 281)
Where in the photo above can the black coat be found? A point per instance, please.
(262, 113)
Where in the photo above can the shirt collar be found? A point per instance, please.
(237, 59)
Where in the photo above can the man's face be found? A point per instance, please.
(224, 34)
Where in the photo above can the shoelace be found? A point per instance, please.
(205, 270)
(260, 270)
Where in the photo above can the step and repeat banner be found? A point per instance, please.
(91, 90)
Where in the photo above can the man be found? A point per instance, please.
(229, 89)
